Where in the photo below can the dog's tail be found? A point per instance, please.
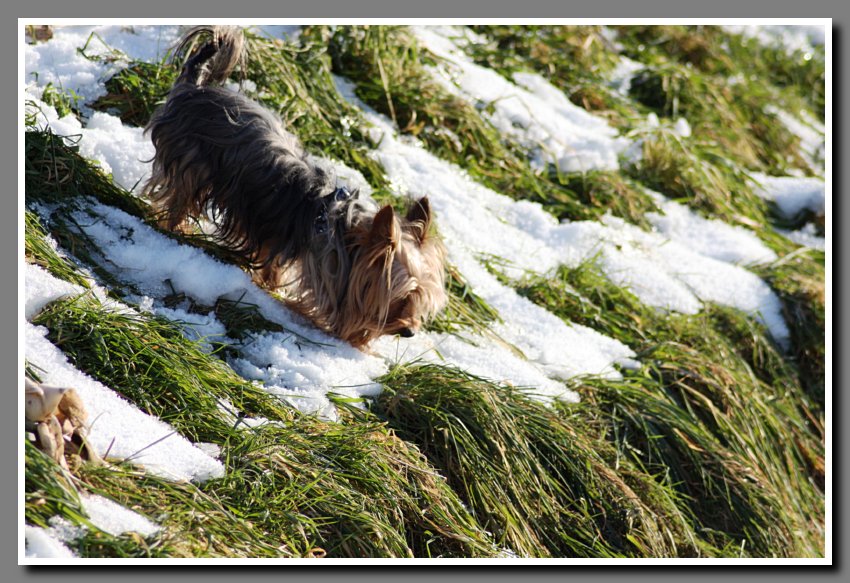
(215, 60)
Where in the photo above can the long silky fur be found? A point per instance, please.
(218, 151)
(222, 155)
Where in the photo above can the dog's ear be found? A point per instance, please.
(419, 217)
(385, 229)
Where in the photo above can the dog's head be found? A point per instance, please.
(397, 277)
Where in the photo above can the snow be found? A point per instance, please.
(533, 112)
(117, 426)
(58, 61)
(667, 272)
(708, 237)
(792, 38)
(42, 288)
(620, 78)
(682, 128)
(42, 544)
(810, 131)
(792, 195)
(122, 151)
(676, 267)
(807, 236)
(302, 364)
(115, 519)
(104, 514)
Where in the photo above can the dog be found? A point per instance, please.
(355, 270)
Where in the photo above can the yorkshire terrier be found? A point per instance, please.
(354, 270)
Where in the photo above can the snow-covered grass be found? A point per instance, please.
(633, 359)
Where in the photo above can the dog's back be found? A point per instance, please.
(219, 152)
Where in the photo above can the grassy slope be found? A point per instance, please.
(713, 448)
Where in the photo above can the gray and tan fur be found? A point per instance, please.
(353, 269)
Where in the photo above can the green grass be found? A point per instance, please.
(732, 117)
(529, 474)
(576, 59)
(313, 494)
(712, 50)
(55, 173)
(698, 175)
(799, 279)
(570, 52)
(716, 406)
(136, 91)
(39, 251)
(295, 81)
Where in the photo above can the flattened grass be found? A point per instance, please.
(734, 117)
(697, 174)
(569, 52)
(39, 251)
(701, 73)
(716, 408)
(528, 474)
(55, 173)
(351, 489)
(799, 279)
(311, 486)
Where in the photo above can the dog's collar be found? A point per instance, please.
(320, 225)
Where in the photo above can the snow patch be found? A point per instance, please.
(122, 151)
(533, 112)
(791, 194)
(115, 519)
(42, 544)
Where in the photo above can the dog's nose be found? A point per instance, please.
(406, 333)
